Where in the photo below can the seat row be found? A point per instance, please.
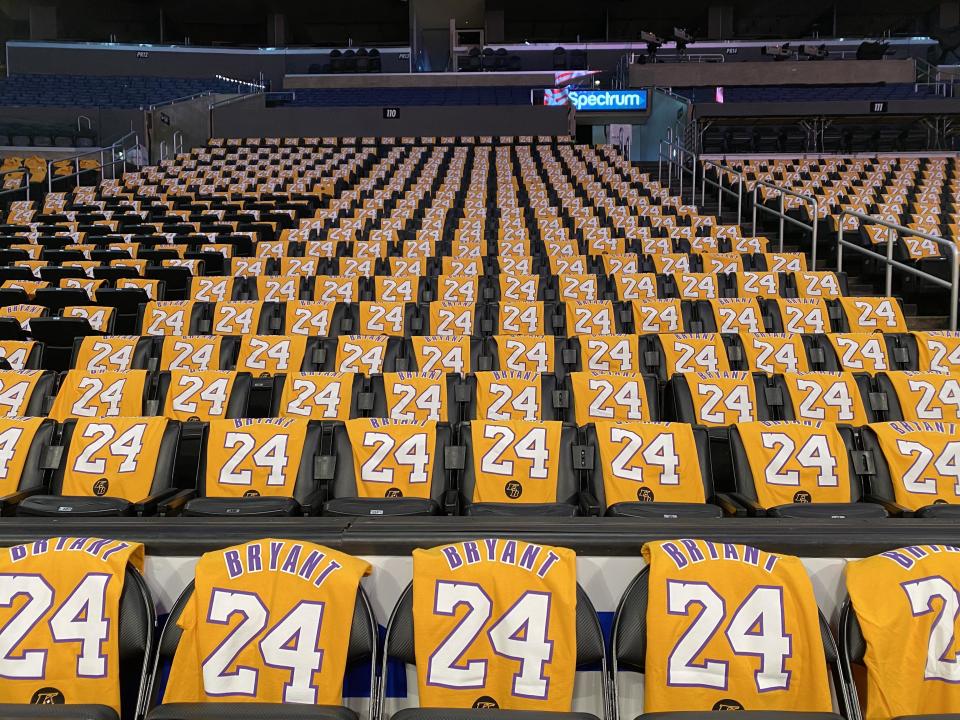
(95, 467)
(280, 623)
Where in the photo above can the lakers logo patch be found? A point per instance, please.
(723, 705)
(47, 696)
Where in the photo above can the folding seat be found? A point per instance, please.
(810, 284)
(586, 287)
(694, 286)
(853, 352)
(401, 288)
(320, 395)
(912, 468)
(154, 289)
(26, 444)
(15, 320)
(729, 315)
(629, 396)
(366, 354)
(511, 317)
(216, 289)
(447, 353)
(691, 589)
(648, 469)
(669, 263)
(871, 314)
(268, 354)
(661, 316)
(376, 467)
(190, 396)
(55, 576)
(197, 353)
(604, 353)
(259, 467)
(597, 318)
(395, 319)
(892, 627)
(104, 394)
(322, 599)
(417, 396)
(444, 318)
(759, 285)
(527, 353)
(511, 395)
(798, 470)
(797, 315)
(241, 317)
(109, 466)
(843, 397)
(915, 396)
(936, 350)
(515, 467)
(117, 353)
(666, 354)
(171, 317)
(175, 278)
(339, 288)
(21, 354)
(718, 399)
(512, 584)
(638, 286)
(720, 263)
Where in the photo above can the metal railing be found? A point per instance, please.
(25, 174)
(117, 151)
(177, 147)
(676, 156)
(721, 189)
(80, 124)
(177, 100)
(812, 227)
(892, 229)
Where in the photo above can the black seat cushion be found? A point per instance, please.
(57, 712)
(664, 510)
(741, 715)
(825, 511)
(523, 509)
(940, 510)
(74, 506)
(479, 714)
(393, 507)
(250, 711)
(260, 506)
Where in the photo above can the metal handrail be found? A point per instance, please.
(177, 149)
(112, 148)
(720, 187)
(953, 285)
(79, 124)
(236, 98)
(681, 169)
(812, 227)
(25, 171)
(177, 100)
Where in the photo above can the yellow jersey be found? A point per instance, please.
(495, 625)
(731, 627)
(268, 621)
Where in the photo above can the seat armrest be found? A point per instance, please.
(730, 507)
(313, 503)
(8, 503)
(451, 502)
(149, 505)
(892, 508)
(174, 504)
(751, 507)
(589, 505)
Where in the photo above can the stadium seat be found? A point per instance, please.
(797, 470)
(117, 466)
(382, 467)
(400, 642)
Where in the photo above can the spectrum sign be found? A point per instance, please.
(599, 100)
